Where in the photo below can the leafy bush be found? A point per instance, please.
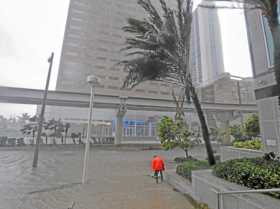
(202, 206)
(185, 169)
(255, 144)
(247, 130)
(255, 173)
(236, 131)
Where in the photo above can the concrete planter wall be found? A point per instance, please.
(229, 153)
(204, 185)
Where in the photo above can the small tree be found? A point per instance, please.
(252, 127)
(174, 134)
(183, 136)
(31, 127)
(57, 128)
(237, 132)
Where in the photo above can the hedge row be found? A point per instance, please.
(256, 173)
(185, 169)
(255, 144)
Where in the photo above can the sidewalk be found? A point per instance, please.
(117, 180)
(116, 193)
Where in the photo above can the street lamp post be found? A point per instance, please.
(92, 81)
(41, 119)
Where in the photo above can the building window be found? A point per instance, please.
(100, 67)
(113, 78)
(113, 87)
(75, 27)
(164, 93)
(165, 85)
(102, 49)
(268, 41)
(101, 58)
(153, 83)
(140, 90)
(152, 92)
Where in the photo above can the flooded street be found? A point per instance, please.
(118, 179)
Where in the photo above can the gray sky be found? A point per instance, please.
(30, 30)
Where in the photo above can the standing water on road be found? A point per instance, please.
(118, 179)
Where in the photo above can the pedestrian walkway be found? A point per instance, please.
(117, 180)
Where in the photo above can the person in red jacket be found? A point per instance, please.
(158, 167)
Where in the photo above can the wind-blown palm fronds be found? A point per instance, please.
(158, 48)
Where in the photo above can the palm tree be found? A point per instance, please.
(23, 118)
(159, 49)
(3, 122)
(55, 127)
(30, 129)
(46, 137)
(66, 129)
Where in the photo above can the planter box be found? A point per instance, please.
(204, 185)
(181, 184)
(229, 153)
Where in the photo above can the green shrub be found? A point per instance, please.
(202, 206)
(185, 169)
(255, 144)
(255, 173)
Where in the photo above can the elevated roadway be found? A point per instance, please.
(77, 99)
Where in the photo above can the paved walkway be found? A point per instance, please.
(117, 180)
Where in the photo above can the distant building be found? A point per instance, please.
(206, 46)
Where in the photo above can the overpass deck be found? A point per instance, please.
(77, 99)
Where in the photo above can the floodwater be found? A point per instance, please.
(118, 179)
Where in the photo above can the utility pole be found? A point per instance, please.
(41, 118)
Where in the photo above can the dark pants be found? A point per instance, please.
(156, 175)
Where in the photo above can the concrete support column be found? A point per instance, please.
(120, 115)
(224, 119)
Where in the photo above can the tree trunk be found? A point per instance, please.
(186, 152)
(66, 132)
(46, 138)
(204, 128)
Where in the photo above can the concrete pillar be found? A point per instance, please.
(119, 126)
(224, 118)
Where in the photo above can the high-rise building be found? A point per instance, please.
(92, 45)
(261, 46)
(206, 42)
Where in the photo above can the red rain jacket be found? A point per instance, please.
(157, 164)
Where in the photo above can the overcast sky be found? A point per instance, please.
(31, 29)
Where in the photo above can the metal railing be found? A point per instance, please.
(220, 194)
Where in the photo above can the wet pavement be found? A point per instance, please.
(118, 179)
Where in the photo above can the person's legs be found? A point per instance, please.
(156, 176)
(161, 176)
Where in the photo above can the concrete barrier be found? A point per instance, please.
(205, 187)
(229, 153)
